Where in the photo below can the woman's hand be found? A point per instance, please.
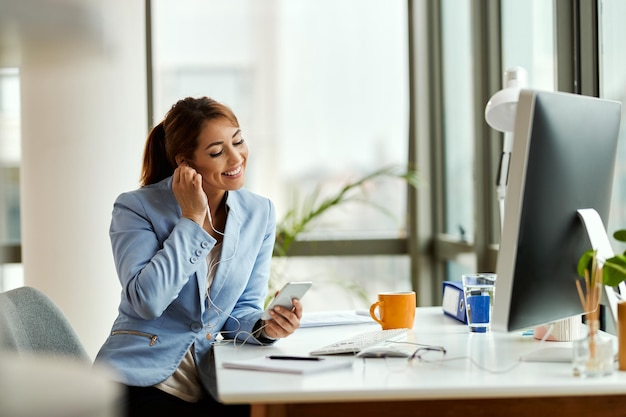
(284, 321)
(187, 188)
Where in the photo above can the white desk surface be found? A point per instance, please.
(494, 370)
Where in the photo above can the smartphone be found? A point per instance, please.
(289, 291)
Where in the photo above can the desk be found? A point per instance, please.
(492, 383)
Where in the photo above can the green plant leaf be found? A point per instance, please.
(614, 270)
(585, 262)
(303, 214)
(620, 235)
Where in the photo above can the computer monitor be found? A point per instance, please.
(563, 159)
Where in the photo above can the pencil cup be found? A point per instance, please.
(396, 310)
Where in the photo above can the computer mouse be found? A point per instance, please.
(382, 352)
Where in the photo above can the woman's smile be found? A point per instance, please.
(234, 172)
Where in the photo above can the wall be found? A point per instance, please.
(83, 98)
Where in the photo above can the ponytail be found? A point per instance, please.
(156, 165)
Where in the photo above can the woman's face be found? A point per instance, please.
(221, 156)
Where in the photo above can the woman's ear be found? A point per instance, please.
(179, 159)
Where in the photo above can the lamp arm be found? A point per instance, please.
(503, 173)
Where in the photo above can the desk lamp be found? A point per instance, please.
(500, 115)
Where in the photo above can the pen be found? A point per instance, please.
(295, 358)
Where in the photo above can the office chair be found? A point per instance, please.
(30, 322)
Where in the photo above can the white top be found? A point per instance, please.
(476, 366)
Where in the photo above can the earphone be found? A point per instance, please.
(211, 268)
(237, 332)
(213, 265)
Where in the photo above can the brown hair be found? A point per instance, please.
(178, 134)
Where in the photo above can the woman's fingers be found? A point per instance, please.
(284, 321)
(187, 188)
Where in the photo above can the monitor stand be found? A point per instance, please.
(564, 330)
(570, 329)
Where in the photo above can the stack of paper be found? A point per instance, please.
(289, 366)
(334, 318)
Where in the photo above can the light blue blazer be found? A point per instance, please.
(161, 264)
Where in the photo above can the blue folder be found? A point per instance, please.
(453, 303)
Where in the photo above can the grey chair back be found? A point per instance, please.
(30, 322)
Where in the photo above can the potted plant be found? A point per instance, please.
(595, 274)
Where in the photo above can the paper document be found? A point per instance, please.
(334, 318)
(288, 366)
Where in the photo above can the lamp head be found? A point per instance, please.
(502, 106)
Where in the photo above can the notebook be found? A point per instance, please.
(289, 366)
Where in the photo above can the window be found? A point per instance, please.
(458, 127)
(478, 42)
(612, 59)
(528, 40)
(11, 273)
(322, 88)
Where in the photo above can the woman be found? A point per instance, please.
(192, 250)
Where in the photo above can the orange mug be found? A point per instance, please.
(396, 310)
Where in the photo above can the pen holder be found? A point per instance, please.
(593, 354)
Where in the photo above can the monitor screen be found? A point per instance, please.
(562, 160)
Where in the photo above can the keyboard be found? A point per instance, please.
(354, 344)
